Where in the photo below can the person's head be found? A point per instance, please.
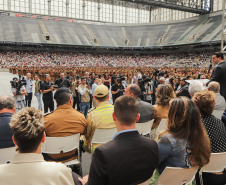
(171, 80)
(164, 94)
(205, 100)
(93, 75)
(62, 76)
(214, 86)
(83, 80)
(68, 74)
(182, 81)
(7, 104)
(47, 77)
(36, 77)
(63, 96)
(87, 75)
(203, 77)
(125, 113)
(28, 75)
(194, 87)
(184, 122)
(101, 93)
(188, 77)
(28, 130)
(133, 90)
(162, 80)
(106, 73)
(217, 57)
(117, 80)
(96, 80)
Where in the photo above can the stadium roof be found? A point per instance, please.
(193, 6)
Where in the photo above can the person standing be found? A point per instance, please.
(84, 92)
(219, 73)
(107, 80)
(117, 89)
(95, 84)
(28, 87)
(62, 82)
(47, 91)
(38, 93)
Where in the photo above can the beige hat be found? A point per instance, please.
(101, 91)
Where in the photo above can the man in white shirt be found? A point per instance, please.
(95, 84)
(28, 88)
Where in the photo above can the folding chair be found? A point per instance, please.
(102, 136)
(162, 126)
(177, 176)
(217, 163)
(55, 145)
(144, 128)
(218, 113)
(7, 154)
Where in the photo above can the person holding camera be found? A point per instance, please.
(117, 89)
(19, 92)
(28, 87)
(47, 89)
(62, 82)
(148, 91)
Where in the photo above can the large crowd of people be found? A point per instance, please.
(62, 59)
(190, 99)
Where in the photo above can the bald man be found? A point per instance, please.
(220, 101)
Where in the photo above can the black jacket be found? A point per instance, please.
(219, 75)
(128, 159)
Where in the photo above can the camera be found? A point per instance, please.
(54, 85)
(17, 84)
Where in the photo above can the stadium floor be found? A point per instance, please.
(5, 88)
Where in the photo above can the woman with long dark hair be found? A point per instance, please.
(185, 142)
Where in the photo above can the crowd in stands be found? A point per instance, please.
(195, 126)
(56, 59)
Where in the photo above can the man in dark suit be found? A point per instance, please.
(219, 73)
(129, 158)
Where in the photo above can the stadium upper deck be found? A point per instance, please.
(206, 28)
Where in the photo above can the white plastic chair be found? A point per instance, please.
(7, 154)
(162, 126)
(177, 176)
(217, 163)
(218, 113)
(55, 145)
(102, 136)
(144, 128)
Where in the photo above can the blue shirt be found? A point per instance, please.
(6, 132)
(93, 88)
(123, 131)
(28, 86)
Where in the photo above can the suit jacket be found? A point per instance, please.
(128, 159)
(219, 75)
(30, 168)
(145, 110)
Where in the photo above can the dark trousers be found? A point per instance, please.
(28, 99)
(75, 101)
(48, 104)
(214, 179)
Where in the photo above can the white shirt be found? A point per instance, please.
(19, 97)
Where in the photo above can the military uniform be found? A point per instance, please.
(64, 121)
(100, 117)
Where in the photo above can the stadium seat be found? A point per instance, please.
(102, 136)
(218, 113)
(55, 145)
(144, 128)
(162, 126)
(177, 176)
(7, 154)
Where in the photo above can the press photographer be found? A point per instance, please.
(117, 89)
(19, 91)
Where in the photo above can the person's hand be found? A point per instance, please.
(117, 91)
(51, 88)
(204, 84)
(144, 92)
(83, 180)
